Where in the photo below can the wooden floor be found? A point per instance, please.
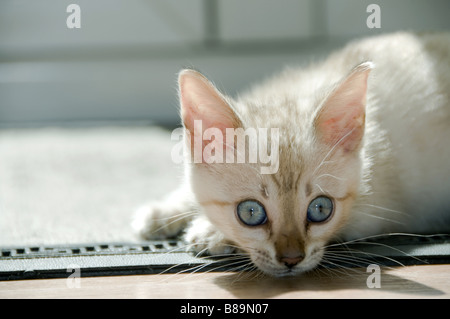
(407, 282)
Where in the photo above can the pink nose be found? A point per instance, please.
(291, 261)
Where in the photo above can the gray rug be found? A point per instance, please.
(80, 185)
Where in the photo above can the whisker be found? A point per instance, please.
(331, 150)
(201, 252)
(250, 272)
(197, 268)
(383, 208)
(178, 249)
(332, 176)
(198, 255)
(338, 268)
(383, 256)
(342, 255)
(371, 254)
(381, 235)
(190, 212)
(321, 189)
(349, 259)
(383, 218)
(235, 262)
(174, 221)
(393, 248)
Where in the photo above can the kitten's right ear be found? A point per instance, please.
(340, 119)
(200, 100)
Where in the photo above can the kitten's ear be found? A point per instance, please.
(341, 118)
(200, 100)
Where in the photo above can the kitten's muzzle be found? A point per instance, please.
(291, 261)
(290, 250)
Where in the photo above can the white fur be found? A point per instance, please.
(400, 175)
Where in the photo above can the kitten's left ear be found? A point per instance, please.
(201, 102)
(341, 118)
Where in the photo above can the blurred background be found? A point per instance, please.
(121, 65)
(80, 108)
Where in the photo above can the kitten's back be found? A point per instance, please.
(409, 99)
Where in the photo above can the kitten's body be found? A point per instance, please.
(392, 176)
(407, 146)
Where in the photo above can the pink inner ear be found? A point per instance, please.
(200, 101)
(345, 129)
(341, 118)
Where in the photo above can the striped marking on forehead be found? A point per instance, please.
(264, 191)
(286, 182)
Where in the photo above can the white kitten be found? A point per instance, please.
(364, 149)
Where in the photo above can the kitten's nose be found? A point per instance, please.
(291, 261)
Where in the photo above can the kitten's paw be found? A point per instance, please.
(204, 239)
(157, 221)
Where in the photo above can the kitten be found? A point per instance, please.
(364, 149)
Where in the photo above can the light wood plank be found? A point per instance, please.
(431, 281)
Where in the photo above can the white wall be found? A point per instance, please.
(122, 63)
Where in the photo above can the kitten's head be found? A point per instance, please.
(285, 219)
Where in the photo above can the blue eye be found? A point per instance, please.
(320, 209)
(251, 213)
